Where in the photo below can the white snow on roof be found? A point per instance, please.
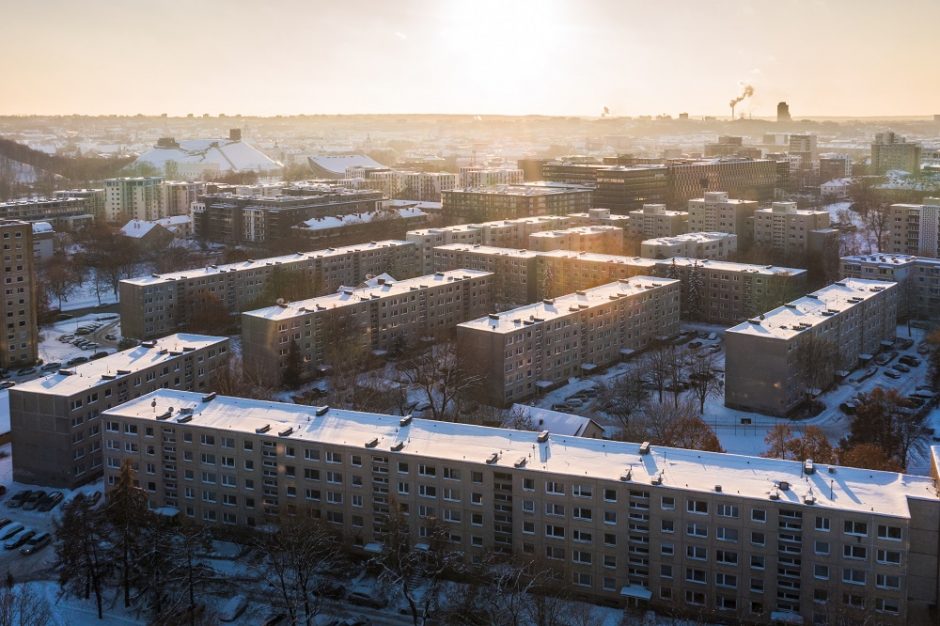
(481, 249)
(42, 227)
(137, 228)
(226, 155)
(337, 164)
(555, 422)
(885, 259)
(858, 490)
(323, 223)
(698, 237)
(791, 319)
(562, 306)
(731, 266)
(577, 230)
(87, 375)
(200, 272)
(347, 296)
(597, 257)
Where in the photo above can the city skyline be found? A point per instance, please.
(460, 58)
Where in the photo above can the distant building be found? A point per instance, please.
(196, 158)
(655, 220)
(698, 245)
(837, 189)
(750, 179)
(834, 166)
(43, 241)
(514, 271)
(94, 200)
(336, 165)
(622, 189)
(506, 349)
(176, 196)
(64, 213)
(913, 228)
(133, 198)
(918, 280)
(505, 202)
(783, 112)
(19, 342)
(389, 315)
(716, 212)
(148, 234)
(557, 422)
(804, 147)
(473, 176)
(787, 229)
(600, 239)
(893, 152)
(731, 146)
(854, 315)
(323, 232)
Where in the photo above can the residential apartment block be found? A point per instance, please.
(500, 233)
(162, 303)
(55, 420)
(700, 245)
(788, 230)
(565, 271)
(94, 200)
(63, 213)
(389, 315)
(19, 342)
(600, 239)
(753, 539)
(893, 152)
(622, 189)
(177, 196)
(729, 292)
(913, 228)
(472, 176)
(514, 271)
(918, 280)
(133, 199)
(716, 212)
(512, 201)
(352, 228)
(853, 315)
(655, 220)
(751, 179)
(521, 352)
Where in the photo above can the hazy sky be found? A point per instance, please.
(826, 57)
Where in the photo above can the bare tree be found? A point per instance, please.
(623, 396)
(441, 378)
(19, 606)
(816, 360)
(703, 376)
(80, 559)
(657, 363)
(878, 223)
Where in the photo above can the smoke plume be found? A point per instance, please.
(747, 92)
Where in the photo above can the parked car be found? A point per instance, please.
(900, 367)
(36, 543)
(892, 374)
(83, 330)
(910, 360)
(91, 345)
(9, 531)
(6, 521)
(17, 500)
(905, 343)
(923, 349)
(98, 355)
(695, 345)
(111, 337)
(77, 360)
(51, 501)
(848, 407)
(26, 371)
(6, 384)
(234, 607)
(51, 366)
(33, 500)
(16, 541)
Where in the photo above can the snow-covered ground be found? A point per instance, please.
(743, 432)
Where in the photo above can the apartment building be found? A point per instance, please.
(804, 147)
(565, 271)
(627, 188)
(788, 230)
(699, 245)
(473, 176)
(600, 239)
(352, 228)
(716, 212)
(834, 166)
(599, 217)
(62, 213)
(19, 342)
(655, 220)
(94, 200)
(136, 198)
(731, 146)
(383, 317)
(513, 201)
(727, 292)
(176, 196)
(752, 179)
(752, 539)
(427, 186)
(854, 315)
(156, 305)
(918, 280)
(55, 419)
(500, 233)
(520, 352)
(514, 271)
(893, 152)
(913, 228)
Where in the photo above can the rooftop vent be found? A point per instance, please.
(645, 447)
(405, 421)
(657, 479)
(627, 475)
(372, 443)
(718, 488)
(321, 410)
(284, 433)
(123, 372)
(165, 415)
(209, 397)
(783, 485)
(182, 419)
(542, 437)
(809, 499)
(808, 467)
(398, 446)
(263, 429)
(520, 462)
(492, 458)
(774, 494)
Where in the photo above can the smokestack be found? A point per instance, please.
(747, 92)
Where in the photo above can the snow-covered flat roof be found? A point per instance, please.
(481, 249)
(201, 272)
(789, 320)
(522, 189)
(577, 230)
(731, 266)
(850, 489)
(555, 422)
(601, 258)
(610, 216)
(699, 237)
(350, 219)
(87, 375)
(347, 296)
(562, 306)
(885, 259)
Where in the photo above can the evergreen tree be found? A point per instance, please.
(695, 293)
(294, 368)
(80, 559)
(127, 513)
